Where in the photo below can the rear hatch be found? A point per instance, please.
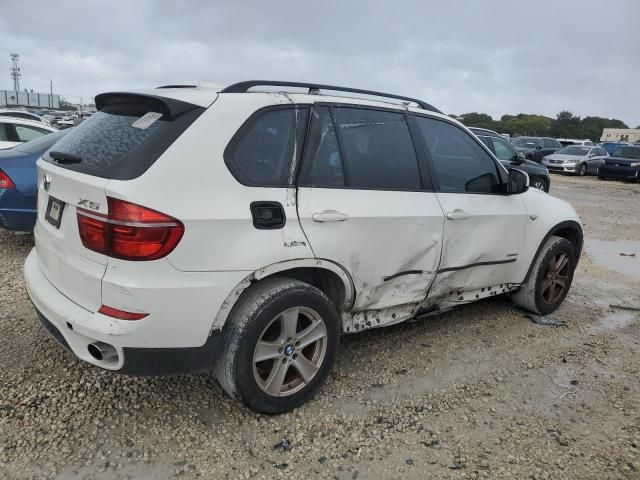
(121, 141)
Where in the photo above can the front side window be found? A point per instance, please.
(322, 163)
(267, 151)
(378, 149)
(502, 149)
(4, 134)
(460, 163)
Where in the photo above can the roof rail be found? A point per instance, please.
(177, 86)
(314, 88)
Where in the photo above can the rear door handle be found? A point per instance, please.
(457, 214)
(329, 216)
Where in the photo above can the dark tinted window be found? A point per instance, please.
(322, 164)
(125, 138)
(460, 163)
(268, 148)
(549, 143)
(378, 149)
(4, 135)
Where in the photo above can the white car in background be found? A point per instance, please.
(14, 131)
(243, 230)
(22, 114)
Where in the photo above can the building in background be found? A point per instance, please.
(631, 135)
(11, 98)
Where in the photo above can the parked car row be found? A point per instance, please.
(17, 130)
(576, 157)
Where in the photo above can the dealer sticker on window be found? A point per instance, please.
(146, 120)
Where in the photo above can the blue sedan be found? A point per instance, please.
(18, 178)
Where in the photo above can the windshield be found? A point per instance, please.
(525, 142)
(573, 150)
(43, 143)
(627, 152)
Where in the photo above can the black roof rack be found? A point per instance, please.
(242, 87)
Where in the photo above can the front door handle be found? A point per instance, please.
(457, 214)
(329, 216)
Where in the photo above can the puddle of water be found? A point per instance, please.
(617, 319)
(606, 254)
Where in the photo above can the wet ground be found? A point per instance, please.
(478, 392)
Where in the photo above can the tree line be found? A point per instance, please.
(565, 125)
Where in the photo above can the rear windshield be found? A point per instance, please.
(122, 140)
(525, 142)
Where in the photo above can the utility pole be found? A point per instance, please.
(15, 72)
(51, 96)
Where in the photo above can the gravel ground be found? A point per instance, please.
(478, 392)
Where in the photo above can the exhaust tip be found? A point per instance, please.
(102, 351)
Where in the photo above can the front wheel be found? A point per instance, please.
(540, 184)
(582, 170)
(279, 345)
(550, 279)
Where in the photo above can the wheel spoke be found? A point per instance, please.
(562, 281)
(306, 369)
(312, 334)
(266, 351)
(564, 260)
(273, 385)
(290, 322)
(546, 283)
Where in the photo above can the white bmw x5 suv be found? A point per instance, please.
(243, 230)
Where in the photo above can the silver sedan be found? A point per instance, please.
(576, 159)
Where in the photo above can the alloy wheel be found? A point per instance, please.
(556, 278)
(290, 351)
(539, 184)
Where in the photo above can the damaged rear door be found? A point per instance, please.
(484, 227)
(365, 200)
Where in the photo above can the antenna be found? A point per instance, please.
(15, 71)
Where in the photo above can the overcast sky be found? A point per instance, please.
(492, 56)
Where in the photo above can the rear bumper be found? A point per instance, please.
(18, 219)
(174, 338)
(626, 173)
(154, 361)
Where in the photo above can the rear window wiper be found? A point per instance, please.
(65, 158)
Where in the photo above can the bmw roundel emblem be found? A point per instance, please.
(46, 182)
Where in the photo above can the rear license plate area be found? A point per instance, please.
(53, 214)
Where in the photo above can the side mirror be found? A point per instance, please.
(517, 158)
(518, 181)
(538, 147)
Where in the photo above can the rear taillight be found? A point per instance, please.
(5, 181)
(129, 231)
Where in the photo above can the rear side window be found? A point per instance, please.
(26, 134)
(266, 150)
(461, 164)
(322, 163)
(378, 149)
(124, 138)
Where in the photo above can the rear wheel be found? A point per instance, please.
(279, 345)
(550, 279)
(582, 169)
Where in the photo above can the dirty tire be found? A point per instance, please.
(531, 295)
(252, 314)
